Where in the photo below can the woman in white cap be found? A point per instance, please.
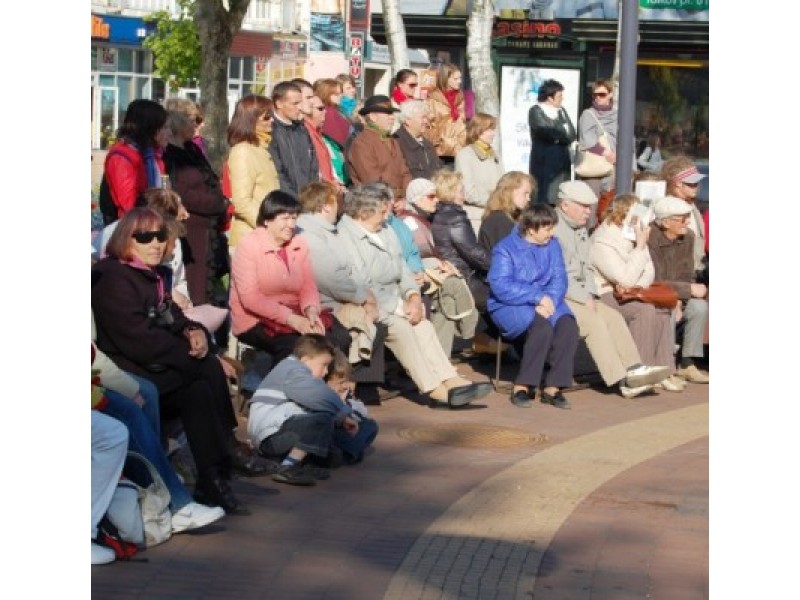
(683, 181)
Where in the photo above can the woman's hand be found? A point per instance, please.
(316, 323)
(414, 309)
(371, 307)
(198, 344)
(698, 290)
(610, 156)
(642, 235)
(182, 301)
(301, 324)
(545, 307)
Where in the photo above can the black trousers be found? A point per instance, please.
(312, 433)
(544, 344)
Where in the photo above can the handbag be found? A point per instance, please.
(659, 294)
(593, 165)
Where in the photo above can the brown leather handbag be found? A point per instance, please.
(659, 294)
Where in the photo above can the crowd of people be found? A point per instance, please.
(341, 235)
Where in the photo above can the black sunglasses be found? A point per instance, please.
(145, 237)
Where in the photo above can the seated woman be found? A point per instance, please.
(528, 282)
(193, 178)
(512, 194)
(274, 295)
(621, 262)
(144, 332)
(352, 302)
(379, 264)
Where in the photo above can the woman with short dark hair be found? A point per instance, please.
(552, 132)
(145, 333)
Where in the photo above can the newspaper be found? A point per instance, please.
(641, 214)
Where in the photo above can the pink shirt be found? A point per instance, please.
(263, 287)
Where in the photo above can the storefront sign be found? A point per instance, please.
(290, 48)
(100, 29)
(358, 16)
(357, 43)
(525, 29)
(675, 4)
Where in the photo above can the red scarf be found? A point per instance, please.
(398, 96)
(452, 99)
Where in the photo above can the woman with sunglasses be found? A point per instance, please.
(405, 87)
(251, 169)
(200, 191)
(600, 118)
(145, 333)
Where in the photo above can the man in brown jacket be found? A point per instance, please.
(671, 245)
(374, 155)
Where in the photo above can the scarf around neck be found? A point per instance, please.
(452, 99)
(348, 105)
(264, 137)
(398, 95)
(483, 150)
(382, 132)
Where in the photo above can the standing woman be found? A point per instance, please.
(198, 186)
(252, 172)
(512, 195)
(405, 87)
(448, 131)
(600, 118)
(134, 163)
(552, 132)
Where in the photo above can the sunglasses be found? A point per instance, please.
(412, 85)
(145, 237)
(691, 185)
(599, 94)
(198, 120)
(267, 116)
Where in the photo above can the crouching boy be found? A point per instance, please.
(352, 445)
(293, 412)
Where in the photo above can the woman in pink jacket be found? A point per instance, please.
(274, 297)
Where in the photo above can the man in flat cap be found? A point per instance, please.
(671, 245)
(374, 155)
(607, 335)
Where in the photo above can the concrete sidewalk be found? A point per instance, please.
(608, 500)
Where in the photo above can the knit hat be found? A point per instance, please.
(577, 191)
(418, 188)
(670, 206)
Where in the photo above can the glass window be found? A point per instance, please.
(124, 84)
(159, 91)
(247, 71)
(94, 58)
(247, 89)
(107, 81)
(141, 61)
(234, 67)
(142, 85)
(124, 60)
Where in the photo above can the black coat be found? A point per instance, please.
(421, 157)
(293, 153)
(455, 242)
(550, 140)
(124, 299)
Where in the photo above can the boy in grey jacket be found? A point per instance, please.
(293, 412)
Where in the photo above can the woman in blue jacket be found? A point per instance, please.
(527, 282)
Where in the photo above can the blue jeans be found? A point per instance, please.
(152, 407)
(353, 446)
(144, 440)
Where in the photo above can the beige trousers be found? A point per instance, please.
(608, 339)
(419, 351)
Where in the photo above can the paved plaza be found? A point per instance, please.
(605, 501)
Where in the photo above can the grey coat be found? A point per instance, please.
(576, 248)
(333, 267)
(379, 265)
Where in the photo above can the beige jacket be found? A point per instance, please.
(617, 261)
(446, 135)
(253, 176)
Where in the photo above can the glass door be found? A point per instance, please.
(105, 116)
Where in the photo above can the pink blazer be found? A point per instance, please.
(263, 287)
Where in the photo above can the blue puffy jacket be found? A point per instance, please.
(521, 273)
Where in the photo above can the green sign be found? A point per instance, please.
(675, 4)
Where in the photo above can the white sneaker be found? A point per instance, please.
(102, 555)
(632, 392)
(671, 384)
(645, 375)
(194, 516)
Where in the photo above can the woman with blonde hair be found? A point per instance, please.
(448, 130)
(512, 194)
(620, 262)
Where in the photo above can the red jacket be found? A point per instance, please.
(126, 175)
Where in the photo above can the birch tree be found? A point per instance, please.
(479, 57)
(395, 35)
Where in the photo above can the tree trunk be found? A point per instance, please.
(395, 36)
(479, 58)
(216, 28)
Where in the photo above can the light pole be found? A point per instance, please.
(626, 111)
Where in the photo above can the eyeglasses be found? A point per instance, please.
(599, 94)
(412, 85)
(679, 218)
(266, 116)
(145, 237)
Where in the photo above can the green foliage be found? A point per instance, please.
(176, 46)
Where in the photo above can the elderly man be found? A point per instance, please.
(374, 155)
(683, 181)
(672, 245)
(607, 336)
(291, 147)
(419, 153)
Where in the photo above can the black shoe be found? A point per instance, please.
(559, 401)
(293, 475)
(521, 399)
(318, 473)
(459, 396)
(333, 460)
(368, 394)
(249, 465)
(217, 492)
